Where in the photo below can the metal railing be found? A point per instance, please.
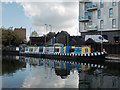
(84, 18)
(94, 6)
(91, 27)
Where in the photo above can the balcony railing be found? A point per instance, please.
(92, 8)
(92, 28)
(83, 1)
(84, 19)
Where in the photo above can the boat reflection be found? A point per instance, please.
(57, 64)
(62, 68)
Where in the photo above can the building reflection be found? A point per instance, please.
(101, 78)
(62, 73)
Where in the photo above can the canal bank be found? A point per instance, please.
(113, 58)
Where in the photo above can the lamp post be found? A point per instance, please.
(51, 31)
(54, 40)
(67, 40)
(30, 35)
(50, 27)
(45, 34)
(101, 42)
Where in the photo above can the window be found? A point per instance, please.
(101, 4)
(88, 15)
(114, 3)
(86, 50)
(26, 49)
(99, 14)
(31, 49)
(88, 5)
(23, 50)
(36, 49)
(56, 49)
(101, 24)
(114, 23)
(41, 50)
(89, 23)
(110, 12)
(85, 25)
(71, 50)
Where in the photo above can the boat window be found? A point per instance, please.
(31, 49)
(86, 50)
(57, 50)
(71, 50)
(26, 49)
(41, 49)
(23, 50)
(36, 48)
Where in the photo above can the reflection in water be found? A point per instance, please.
(57, 64)
(10, 66)
(41, 73)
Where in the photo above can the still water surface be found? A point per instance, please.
(28, 72)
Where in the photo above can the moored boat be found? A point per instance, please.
(64, 52)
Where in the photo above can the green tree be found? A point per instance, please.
(9, 37)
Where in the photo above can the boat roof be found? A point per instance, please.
(58, 44)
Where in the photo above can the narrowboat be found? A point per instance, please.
(64, 52)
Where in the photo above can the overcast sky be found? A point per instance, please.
(34, 15)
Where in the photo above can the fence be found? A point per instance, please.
(110, 48)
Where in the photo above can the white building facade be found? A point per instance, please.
(96, 17)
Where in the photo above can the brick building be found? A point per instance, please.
(21, 32)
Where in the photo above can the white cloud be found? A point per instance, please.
(0, 14)
(62, 15)
(42, 77)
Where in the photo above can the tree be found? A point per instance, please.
(9, 37)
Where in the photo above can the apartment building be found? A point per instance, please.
(100, 18)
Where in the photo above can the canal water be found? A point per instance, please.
(29, 72)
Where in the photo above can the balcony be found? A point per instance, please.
(92, 8)
(83, 1)
(91, 28)
(84, 19)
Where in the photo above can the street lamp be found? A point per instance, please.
(54, 40)
(51, 28)
(46, 31)
(30, 35)
(101, 42)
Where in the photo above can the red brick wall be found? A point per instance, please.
(21, 32)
